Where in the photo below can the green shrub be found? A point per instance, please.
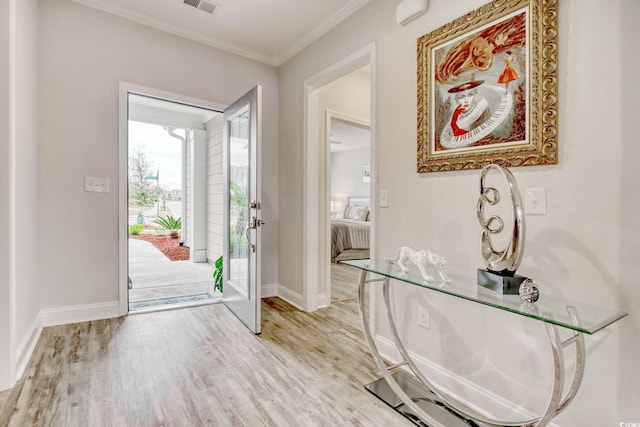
(136, 229)
(217, 274)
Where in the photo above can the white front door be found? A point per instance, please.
(242, 215)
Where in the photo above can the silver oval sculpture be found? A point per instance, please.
(506, 261)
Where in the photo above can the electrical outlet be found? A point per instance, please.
(535, 202)
(424, 319)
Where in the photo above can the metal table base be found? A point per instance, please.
(426, 405)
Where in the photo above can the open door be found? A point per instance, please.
(242, 217)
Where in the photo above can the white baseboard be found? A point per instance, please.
(291, 297)
(79, 313)
(269, 290)
(389, 352)
(323, 301)
(27, 345)
(296, 299)
(387, 349)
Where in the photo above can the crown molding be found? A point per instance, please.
(350, 8)
(273, 60)
(176, 31)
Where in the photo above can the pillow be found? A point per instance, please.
(361, 213)
(356, 212)
(347, 212)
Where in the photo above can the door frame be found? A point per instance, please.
(123, 172)
(315, 177)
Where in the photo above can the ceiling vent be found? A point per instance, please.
(205, 5)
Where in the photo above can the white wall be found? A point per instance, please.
(84, 54)
(6, 363)
(18, 188)
(346, 174)
(25, 181)
(628, 294)
(583, 249)
(349, 96)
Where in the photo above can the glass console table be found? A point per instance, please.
(423, 402)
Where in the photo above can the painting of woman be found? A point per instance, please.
(509, 73)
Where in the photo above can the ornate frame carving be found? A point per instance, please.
(472, 109)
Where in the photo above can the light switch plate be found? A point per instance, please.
(535, 201)
(383, 199)
(96, 184)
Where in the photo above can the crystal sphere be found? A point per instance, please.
(529, 291)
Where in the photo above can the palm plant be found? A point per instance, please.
(170, 223)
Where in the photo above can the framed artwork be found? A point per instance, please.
(366, 173)
(487, 88)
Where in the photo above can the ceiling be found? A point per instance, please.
(347, 136)
(146, 109)
(269, 31)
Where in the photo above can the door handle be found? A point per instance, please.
(255, 222)
(246, 235)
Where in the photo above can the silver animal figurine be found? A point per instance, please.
(423, 259)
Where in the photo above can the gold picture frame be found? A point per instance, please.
(487, 88)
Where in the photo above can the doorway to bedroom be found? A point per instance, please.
(344, 90)
(350, 201)
(350, 188)
(346, 103)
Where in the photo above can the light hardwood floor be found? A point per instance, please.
(344, 283)
(201, 367)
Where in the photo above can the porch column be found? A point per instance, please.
(198, 222)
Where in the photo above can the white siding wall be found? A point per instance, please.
(188, 193)
(199, 197)
(214, 188)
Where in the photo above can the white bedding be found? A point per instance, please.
(358, 232)
(348, 234)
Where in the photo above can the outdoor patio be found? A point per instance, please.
(159, 283)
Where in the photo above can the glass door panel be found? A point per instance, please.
(242, 223)
(239, 201)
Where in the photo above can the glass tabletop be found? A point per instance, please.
(591, 319)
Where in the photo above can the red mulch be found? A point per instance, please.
(167, 245)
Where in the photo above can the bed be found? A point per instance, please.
(350, 234)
